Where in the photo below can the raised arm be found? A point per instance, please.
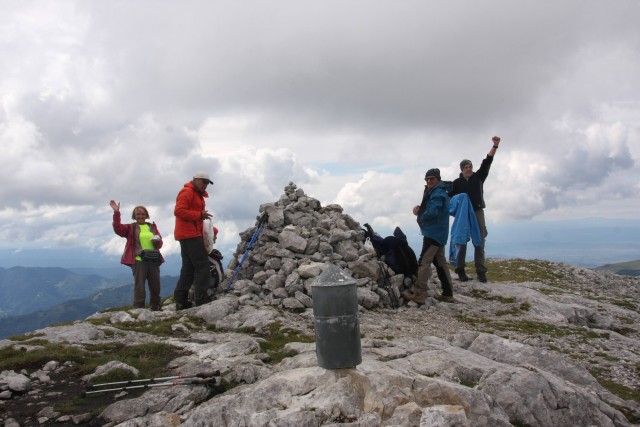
(496, 143)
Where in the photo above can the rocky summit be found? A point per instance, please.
(541, 344)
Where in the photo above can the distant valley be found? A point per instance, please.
(35, 297)
(28, 289)
(61, 296)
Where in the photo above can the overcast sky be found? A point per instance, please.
(351, 100)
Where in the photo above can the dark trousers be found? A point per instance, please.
(432, 252)
(478, 254)
(194, 271)
(150, 273)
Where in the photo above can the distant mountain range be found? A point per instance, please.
(630, 268)
(35, 297)
(28, 289)
(76, 308)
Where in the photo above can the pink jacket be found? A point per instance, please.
(128, 231)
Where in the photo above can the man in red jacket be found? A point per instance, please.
(190, 213)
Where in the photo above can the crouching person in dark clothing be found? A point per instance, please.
(190, 213)
(433, 219)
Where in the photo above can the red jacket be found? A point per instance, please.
(188, 212)
(129, 232)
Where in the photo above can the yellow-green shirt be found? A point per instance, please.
(145, 238)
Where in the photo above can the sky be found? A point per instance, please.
(351, 100)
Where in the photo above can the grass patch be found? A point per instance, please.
(20, 338)
(148, 358)
(511, 311)
(17, 359)
(619, 390)
(161, 327)
(626, 320)
(629, 305)
(472, 320)
(520, 270)
(515, 311)
(482, 294)
(531, 327)
(467, 383)
(622, 330)
(122, 308)
(276, 337)
(552, 291)
(606, 356)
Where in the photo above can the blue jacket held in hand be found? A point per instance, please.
(433, 215)
(465, 225)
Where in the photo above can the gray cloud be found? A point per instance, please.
(352, 101)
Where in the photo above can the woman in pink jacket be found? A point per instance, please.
(141, 253)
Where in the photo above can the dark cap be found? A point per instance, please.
(464, 163)
(433, 172)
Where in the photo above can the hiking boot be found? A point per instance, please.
(445, 298)
(156, 308)
(482, 277)
(412, 296)
(462, 276)
(181, 306)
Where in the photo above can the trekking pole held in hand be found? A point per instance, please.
(261, 224)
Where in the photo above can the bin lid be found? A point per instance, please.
(333, 275)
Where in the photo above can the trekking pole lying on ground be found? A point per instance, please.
(207, 379)
(261, 224)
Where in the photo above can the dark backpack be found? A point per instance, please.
(395, 250)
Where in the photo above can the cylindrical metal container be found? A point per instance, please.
(335, 308)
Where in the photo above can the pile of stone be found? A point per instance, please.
(298, 240)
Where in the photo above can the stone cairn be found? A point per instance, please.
(299, 239)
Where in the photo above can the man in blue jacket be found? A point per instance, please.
(433, 219)
(472, 183)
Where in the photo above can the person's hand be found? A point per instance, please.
(115, 206)
(206, 215)
(496, 140)
(415, 210)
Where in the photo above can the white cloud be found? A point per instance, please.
(127, 100)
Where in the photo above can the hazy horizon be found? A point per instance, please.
(587, 243)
